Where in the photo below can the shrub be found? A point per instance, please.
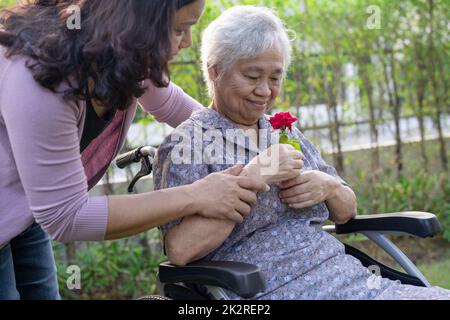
(121, 269)
(422, 192)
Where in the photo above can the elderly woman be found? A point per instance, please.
(245, 54)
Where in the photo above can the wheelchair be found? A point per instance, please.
(209, 280)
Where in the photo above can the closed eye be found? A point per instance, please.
(180, 33)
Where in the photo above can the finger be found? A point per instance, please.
(234, 170)
(303, 205)
(243, 208)
(285, 145)
(235, 216)
(286, 184)
(253, 184)
(247, 196)
(298, 198)
(298, 164)
(299, 180)
(294, 191)
(296, 154)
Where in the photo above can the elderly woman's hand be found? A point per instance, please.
(278, 163)
(226, 195)
(308, 189)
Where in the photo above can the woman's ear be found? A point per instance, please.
(213, 74)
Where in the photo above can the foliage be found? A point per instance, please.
(422, 192)
(121, 269)
(5, 3)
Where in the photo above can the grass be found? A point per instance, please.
(437, 273)
(430, 255)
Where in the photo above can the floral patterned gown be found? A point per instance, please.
(297, 258)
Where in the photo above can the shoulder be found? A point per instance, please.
(18, 87)
(185, 131)
(179, 147)
(14, 70)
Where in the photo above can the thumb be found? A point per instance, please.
(235, 170)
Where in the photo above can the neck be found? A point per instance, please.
(100, 110)
(253, 133)
(246, 127)
(242, 126)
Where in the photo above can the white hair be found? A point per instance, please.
(242, 32)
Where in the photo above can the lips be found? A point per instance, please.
(258, 104)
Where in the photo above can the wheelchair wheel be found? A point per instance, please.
(153, 297)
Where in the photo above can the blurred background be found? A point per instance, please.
(369, 84)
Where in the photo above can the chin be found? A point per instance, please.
(251, 121)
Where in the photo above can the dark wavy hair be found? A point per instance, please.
(120, 44)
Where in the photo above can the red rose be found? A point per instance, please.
(282, 120)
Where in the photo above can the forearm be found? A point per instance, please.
(132, 214)
(341, 204)
(195, 237)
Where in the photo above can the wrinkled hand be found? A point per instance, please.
(308, 189)
(225, 195)
(278, 163)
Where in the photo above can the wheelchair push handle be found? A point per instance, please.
(135, 156)
(145, 156)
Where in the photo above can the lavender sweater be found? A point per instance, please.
(41, 172)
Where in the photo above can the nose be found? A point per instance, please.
(263, 89)
(186, 42)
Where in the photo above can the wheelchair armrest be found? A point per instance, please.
(241, 278)
(420, 224)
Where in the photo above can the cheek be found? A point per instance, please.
(239, 89)
(247, 88)
(175, 43)
(275, 92)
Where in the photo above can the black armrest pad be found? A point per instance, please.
(420, 224)
(241, 278)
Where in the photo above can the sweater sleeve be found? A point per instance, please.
(43, 132)
(170, 105)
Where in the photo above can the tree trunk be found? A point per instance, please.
(434, 58)
(339, 155)
(375, 158)
(107, 186)
(396, 113)
(398, 143)
(421, 84)
(70, 252)
(423, 150)
(333, 117)
(420, 118)
(394, 103)
(143, 240)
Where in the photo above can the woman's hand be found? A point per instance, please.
(226, 195)
(308, 189)
(278, 163)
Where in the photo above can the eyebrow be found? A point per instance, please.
(258, 69)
